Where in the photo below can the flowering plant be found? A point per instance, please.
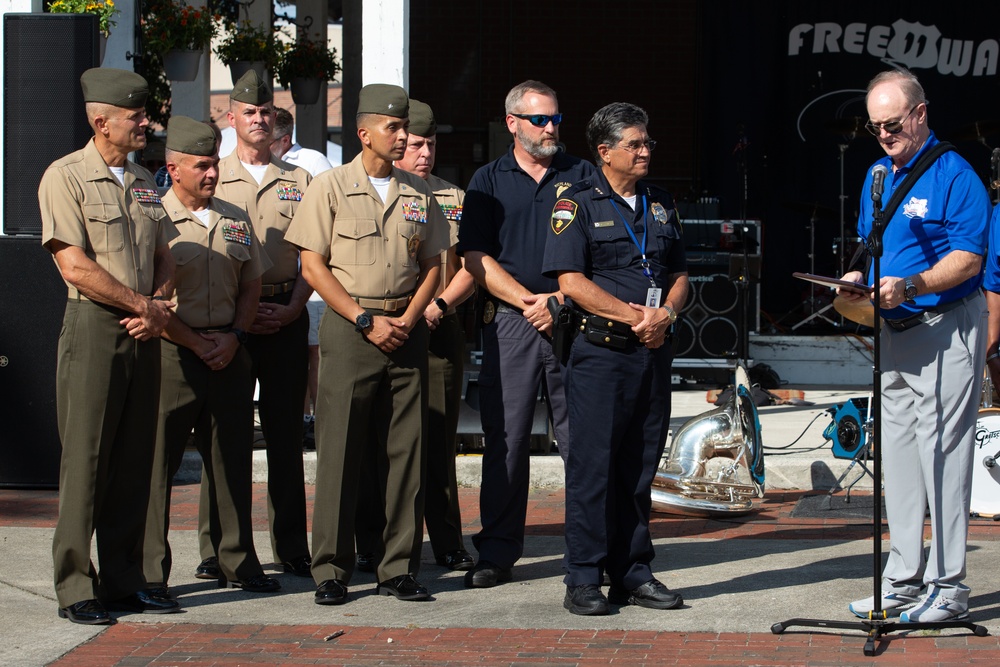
(250, 42)
(105, 11)
(167, 25)
(307, 59)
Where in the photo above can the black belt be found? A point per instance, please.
(605, 332)
(277, 288)
(919, 318)
(223, 329)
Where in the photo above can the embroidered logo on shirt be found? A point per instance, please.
(452, 212)
(289, 193)
(563, 214)
(414, 211)
(146, 195)
(562, 187)
(413, 245)
(915, 208)
(234, 231)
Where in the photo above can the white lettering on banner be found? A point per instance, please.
(913, 45)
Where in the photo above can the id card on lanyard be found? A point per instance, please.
(653, 293)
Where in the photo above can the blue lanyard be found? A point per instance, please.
(642, 248)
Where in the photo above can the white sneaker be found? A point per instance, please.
(891, 602)
(934, 607)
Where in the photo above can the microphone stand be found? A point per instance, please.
(743, 276)
(877, 623)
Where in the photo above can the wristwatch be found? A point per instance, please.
(671, 314)
(910, 293)
(442, 304)
(362, 322)
(241, 335)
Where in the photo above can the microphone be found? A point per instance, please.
(878, 183)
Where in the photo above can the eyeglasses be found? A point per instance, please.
(635, 145)
(893, 126)
(539, 119)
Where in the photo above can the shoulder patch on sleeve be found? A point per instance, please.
(563, 214)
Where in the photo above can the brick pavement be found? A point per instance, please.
(131, 644)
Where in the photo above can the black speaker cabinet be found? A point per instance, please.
(32, 303)
(44, 117)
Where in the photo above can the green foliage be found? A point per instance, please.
(105, 11)
(307, 59)
(249, 42)
(169, 25)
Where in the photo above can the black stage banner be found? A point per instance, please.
(784, 96)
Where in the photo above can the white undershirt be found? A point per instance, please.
(381, 186)
(630, 201)
(202, 215)
(119, 173)
(256, 170)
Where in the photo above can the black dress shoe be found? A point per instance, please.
(456, 560)
(486, 574)
(146, 601)
(209, 569)
(651, 594)
(258, 584)
(366, 562)
(300, 567)
(404, 587)
(586, 600)
(86, 612)
(331, 591)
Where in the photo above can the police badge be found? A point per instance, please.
(659, 213)
(489, 311)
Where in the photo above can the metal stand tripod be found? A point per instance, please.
(877, 623)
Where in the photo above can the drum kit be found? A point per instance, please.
(986, 459)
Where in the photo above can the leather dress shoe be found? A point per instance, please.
(300, 567)
(366, 562)
(404, 587)
(147, 601)
(331, 591)
(86, 612)
(456, 560)
(209, 569)
(258, 584)
(586, 600)
(652, 594)
(486, 574)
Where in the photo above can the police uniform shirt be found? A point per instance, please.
(84, 205)
(587, 234)
(270, 206)
(506, 214)
(212, 261)
(947, 209)
(450, 198)
(373, 249)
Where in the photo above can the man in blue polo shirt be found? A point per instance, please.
(507, 209)
(933, 347)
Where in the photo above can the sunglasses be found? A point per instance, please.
(635, 145)
(539, 119)
(893, 126)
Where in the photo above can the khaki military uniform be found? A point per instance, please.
(445, 363)
(280, 361)
(212, 263)
(106, 381)
(369, 399)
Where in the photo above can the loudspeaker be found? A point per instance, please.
(44, 117)
(32, 303)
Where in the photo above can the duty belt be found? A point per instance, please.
(604, 332)
(388, 305)
(919, 318)
(277, 288)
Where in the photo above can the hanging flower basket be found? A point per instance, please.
(182, 64)
(306, 90)
(307, 60)
(241, 67)
(248, 46)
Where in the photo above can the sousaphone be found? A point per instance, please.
(715, 464)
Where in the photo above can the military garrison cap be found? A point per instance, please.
(187, 135)
(251, 90)
(118, 87)
(422, 119)
(384, 99)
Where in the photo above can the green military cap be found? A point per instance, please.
(187, 135)
(422, 119)
(251, 90)
(118, 87)
(384, 99)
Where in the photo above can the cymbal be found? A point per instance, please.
(847, 125)
(977, 130)
(820, 211)
(861, 311)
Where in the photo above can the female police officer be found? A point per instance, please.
(615, 246)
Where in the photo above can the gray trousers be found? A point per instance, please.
(516, 359)
(931, 380)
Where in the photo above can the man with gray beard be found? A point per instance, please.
(504, 222)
